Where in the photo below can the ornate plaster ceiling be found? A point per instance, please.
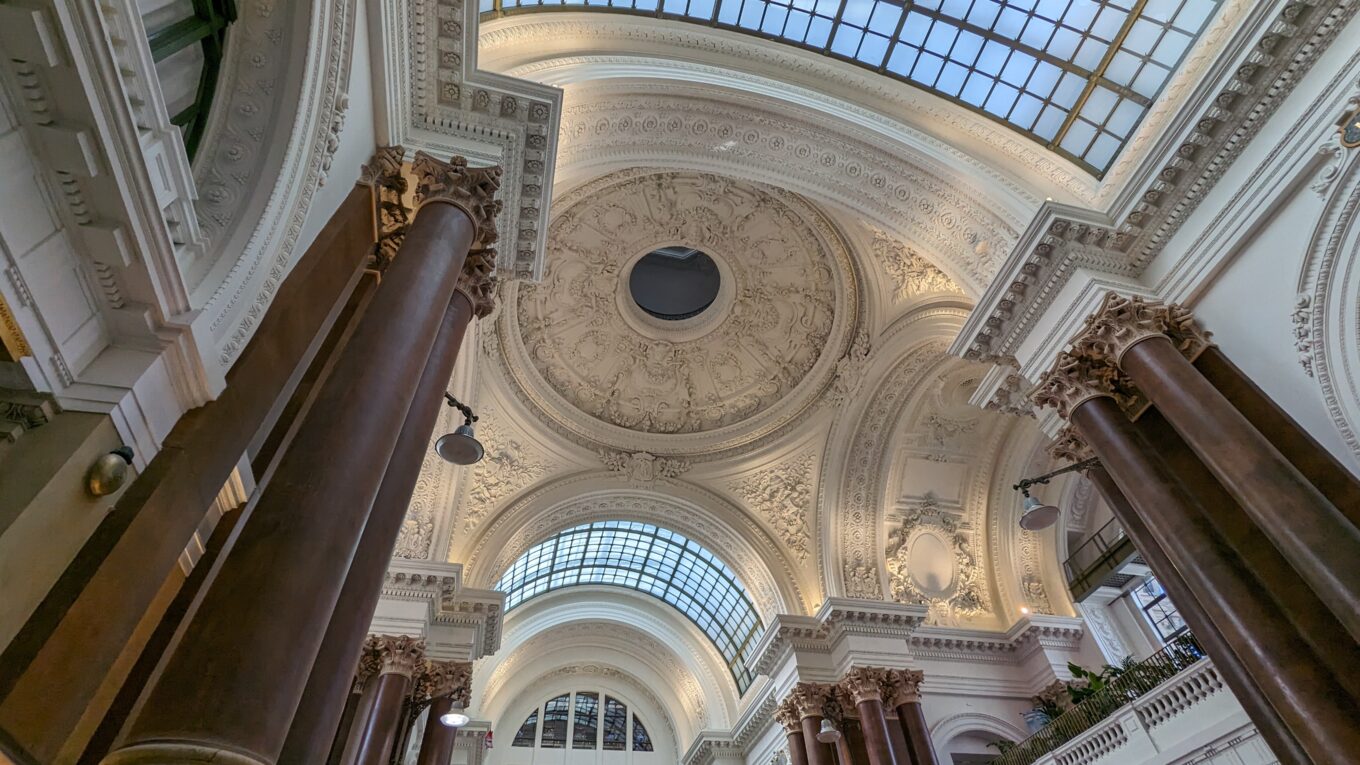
(597, 365)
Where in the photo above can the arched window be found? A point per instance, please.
(575, 717)
(657, 561)
(1075, 75)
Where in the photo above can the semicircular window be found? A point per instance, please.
(657, 561)
(1075, 75)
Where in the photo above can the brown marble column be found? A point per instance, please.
(378, 720)
(865, 688)
(1187, 602)
(1284, 670)
(810, 700)
(1310, 532)
(787, 716)
(341, 736)
(314, 725)
(907, 688)
(228, 691)
(446, 685)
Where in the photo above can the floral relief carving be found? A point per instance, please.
(850, 370)
(912, 273)
(507, 467)
(782, 495)
(759, 350)
(642, 468)
(930, 562)
(1031, 578)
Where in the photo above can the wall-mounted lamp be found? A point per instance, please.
(454, 719)
(460, 447)
(108, 473)
(1039, 515)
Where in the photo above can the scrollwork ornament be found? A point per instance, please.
(906, 685)
(396, 654)
(811, 699)
(472, 190)
(866, 684)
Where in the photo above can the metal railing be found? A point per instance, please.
(1095, 559)
(1178, 655)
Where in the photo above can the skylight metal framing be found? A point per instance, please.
(659, 562)
(1077, 76)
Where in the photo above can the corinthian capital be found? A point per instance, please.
(1070, 447)
(1073, 380)
(436, 679)
(810, 699)
(471, 189)
(1121, 322)
(395, 654)
(906, 686)
(787, 715)
(384, 168)
(865, 683)
(478, 281)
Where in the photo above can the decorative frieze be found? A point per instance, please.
(643, 468)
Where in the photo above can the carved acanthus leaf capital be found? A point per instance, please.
(1070, 447)
(396, 654)
(787, 715)
(1074, 380)
(810, 699)
(866, 683)
(436, 679)
(391, 218)
(384, 167)
(1122, 322)
(906, 686)
(478, 281)
(471, 189)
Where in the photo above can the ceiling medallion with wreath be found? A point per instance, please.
(758, 278)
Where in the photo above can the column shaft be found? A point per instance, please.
(875, 726)
(817, 752)
(1307, 697)
(319, 712)
(337, 745)
(232, 684)
(375, 729)
(1187, 602)
(1309, 531)
(797, 748)
(436, 746)
(913, 721)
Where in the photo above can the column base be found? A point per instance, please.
(179, 753)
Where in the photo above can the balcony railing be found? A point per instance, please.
(1177, 656)
(1099, 558)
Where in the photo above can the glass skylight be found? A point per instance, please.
(1075, 75)
(653, 560)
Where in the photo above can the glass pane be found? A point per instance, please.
(528, 731)
(649, 559)
(584, 728)
(615, 725)
(641, 741)
(999, 58)
(555, 722)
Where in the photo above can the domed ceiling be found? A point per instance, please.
(605, 368)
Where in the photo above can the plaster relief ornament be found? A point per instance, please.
(782, 496)
(641, 468)
(507, 467)
(912, 274)
(762, 335)
(929, 562)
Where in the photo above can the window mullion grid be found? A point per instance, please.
(1098, 76)
(835, 27)
(991, 35)
(907, 7)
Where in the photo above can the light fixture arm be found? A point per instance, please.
(460, 406)
(1025, 483)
